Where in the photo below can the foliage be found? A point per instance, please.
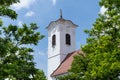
(40, 75)
(16, 60)
(5, 8)
(68, 77)
(102, 61)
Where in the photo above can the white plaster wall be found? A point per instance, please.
(53, 52)
(53, 78)
(53, 63)
(65, 49)
(57, 54)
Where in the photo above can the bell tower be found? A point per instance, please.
(61, 41)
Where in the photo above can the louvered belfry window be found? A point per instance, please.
(68, 40)
(53, 40)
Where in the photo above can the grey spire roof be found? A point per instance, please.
(61, 20)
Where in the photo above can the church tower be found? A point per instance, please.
(61, 41)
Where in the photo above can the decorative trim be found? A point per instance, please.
(55, 55)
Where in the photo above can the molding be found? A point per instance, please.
(56, 55)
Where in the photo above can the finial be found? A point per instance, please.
(61, 13)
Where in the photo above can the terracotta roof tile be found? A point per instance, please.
(65, 65)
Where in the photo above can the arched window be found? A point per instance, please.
(68, 40)
(53, 40)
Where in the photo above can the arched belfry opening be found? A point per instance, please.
(68, 39)
(53, 40)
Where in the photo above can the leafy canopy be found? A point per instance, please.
(102, 61)
(16, 60)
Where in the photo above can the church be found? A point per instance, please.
(61, 46)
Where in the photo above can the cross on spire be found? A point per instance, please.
(61, 13)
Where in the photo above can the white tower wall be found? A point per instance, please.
(58, 53)
(64, 48)
(53, 52)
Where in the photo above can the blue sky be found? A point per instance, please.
(81, 12)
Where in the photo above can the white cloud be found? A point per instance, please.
(20, 23)
(22, 4)
(29, 14)
(42, 53)
(54, 2)
(102, 10)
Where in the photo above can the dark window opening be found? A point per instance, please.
(68, 40)
(53, 40)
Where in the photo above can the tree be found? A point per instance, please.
(16, 60)
(5, 8)
(102, 60)
(40, 75)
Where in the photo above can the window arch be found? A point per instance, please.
(68, 39)
(53, 40)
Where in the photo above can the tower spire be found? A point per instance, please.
(61, 13)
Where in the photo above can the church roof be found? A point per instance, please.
(60, 21)
(66, 64)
